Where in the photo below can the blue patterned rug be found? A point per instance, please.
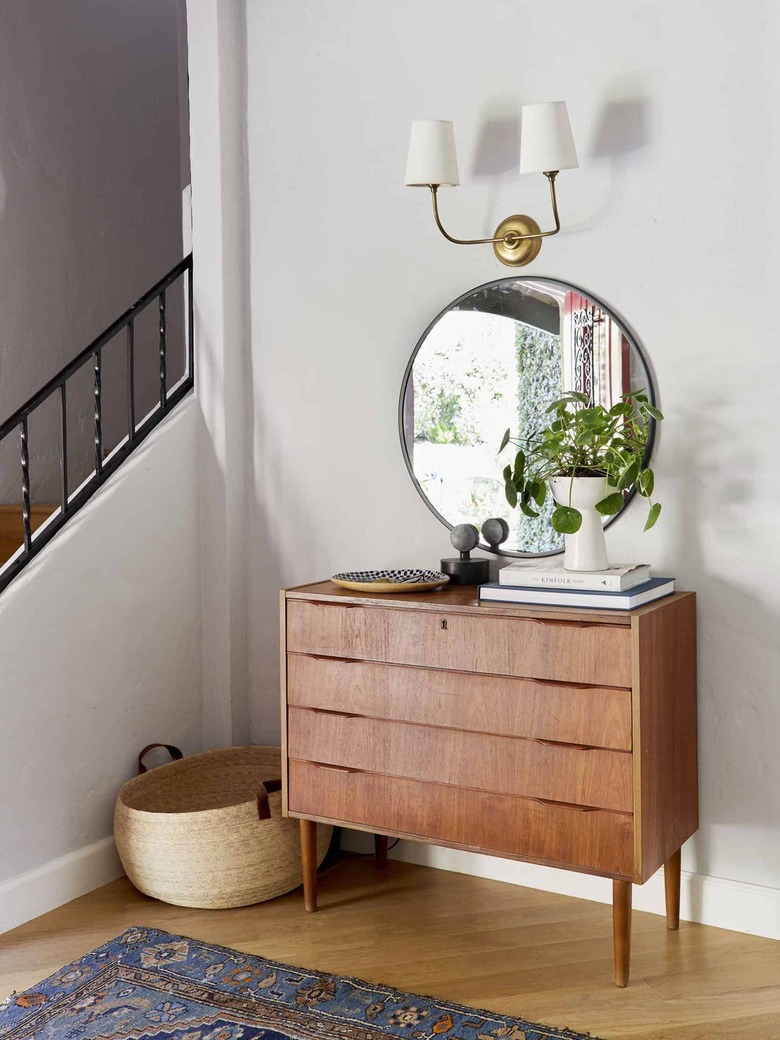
(149, 984)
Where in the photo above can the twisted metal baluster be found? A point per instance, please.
(25, 452)
(98, 413)
(131, 381)
(163, 360)
(63, 449)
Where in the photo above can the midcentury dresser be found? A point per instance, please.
(555, 736)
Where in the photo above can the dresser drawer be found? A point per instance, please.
(593, 715)
(586, 839)
(506, 765)
(566, 651)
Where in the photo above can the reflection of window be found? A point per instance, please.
(475, 375)
(596, 354)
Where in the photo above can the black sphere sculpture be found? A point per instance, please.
(462, 569)
(495, 531)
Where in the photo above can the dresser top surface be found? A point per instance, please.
(463, 598)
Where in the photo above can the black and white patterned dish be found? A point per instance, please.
(409, 580)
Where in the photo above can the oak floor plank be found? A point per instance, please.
(514, 950)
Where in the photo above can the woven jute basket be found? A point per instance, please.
(205, 832)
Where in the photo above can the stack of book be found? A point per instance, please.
(546, 583)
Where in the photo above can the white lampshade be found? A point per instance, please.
(431, 158)
(546, 142)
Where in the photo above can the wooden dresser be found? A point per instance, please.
(563, 737)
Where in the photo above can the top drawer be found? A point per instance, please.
(568, 651)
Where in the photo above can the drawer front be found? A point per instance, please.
(506, 765)
(598, 716)
(566, 651)
(587, 839)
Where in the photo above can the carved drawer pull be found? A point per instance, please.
(549, 623)
(337, 769)
(328, 657)
(338, 714)
(566, 805)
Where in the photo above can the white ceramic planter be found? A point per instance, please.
(587, 549)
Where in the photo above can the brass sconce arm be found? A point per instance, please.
(517, 239)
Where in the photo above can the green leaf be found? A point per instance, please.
(507, 474)
(645, 482)
(566, 520)
(511, 494)
(519, 466)
(652, 516)
(628, 476)
(623, 408)
(538, 491)
(611, 504)
(504, 441)
(653, 411)
(526, 508)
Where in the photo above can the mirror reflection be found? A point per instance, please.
(496, 358)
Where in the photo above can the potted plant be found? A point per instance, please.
(590, 457)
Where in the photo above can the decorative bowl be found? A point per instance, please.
(390, 581)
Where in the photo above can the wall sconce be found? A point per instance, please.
(546, 146)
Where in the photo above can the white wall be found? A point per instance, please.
(100, 652)
(91, 172)
(669, 220)
(223, 382)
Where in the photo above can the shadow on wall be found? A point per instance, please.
(622, 127)
(739, 656)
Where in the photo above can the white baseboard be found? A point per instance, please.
(735, 905)
(29, 895)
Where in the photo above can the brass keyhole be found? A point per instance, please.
(443, 622)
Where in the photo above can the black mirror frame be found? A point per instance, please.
(630, 336)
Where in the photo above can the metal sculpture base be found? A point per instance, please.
(466, 572)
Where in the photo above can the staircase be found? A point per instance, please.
(165, 310)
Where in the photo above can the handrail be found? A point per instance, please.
(70, 503)
(108, 334)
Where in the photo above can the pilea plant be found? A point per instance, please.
(584, 440)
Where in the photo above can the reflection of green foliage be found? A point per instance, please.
(540, 380)
(483, 498)
(439, 423)
(539, 376)
(451, 392)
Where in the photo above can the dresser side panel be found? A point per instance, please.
(665, 733)
(283, 683)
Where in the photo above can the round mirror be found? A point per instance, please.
(496, 358)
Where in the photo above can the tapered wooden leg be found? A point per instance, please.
(672, 885)
(380, 847)
(309, 864)
(621, 929)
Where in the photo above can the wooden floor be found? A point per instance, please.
(512, 950)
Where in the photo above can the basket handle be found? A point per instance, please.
(263, 808)
(174, 752)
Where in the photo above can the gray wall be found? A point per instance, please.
(92, 163)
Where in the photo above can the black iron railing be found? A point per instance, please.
(104, 464)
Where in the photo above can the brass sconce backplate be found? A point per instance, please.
(520, 251)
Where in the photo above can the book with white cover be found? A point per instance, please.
(651, 590)
(550, 574)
